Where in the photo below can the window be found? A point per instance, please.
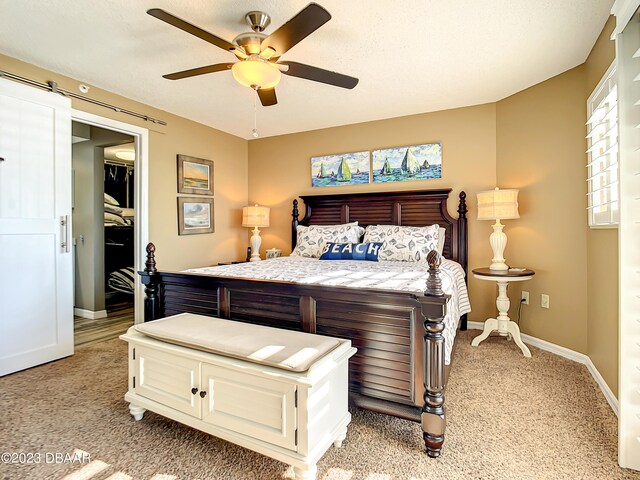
(602, 140)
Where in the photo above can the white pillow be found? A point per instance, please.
(112, 209)
(311, 240)
(128, 213)
(403, 244)
(110, 200)
(442, 235)
(113, 218)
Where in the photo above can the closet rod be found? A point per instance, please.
(53, 87)
(118, 164)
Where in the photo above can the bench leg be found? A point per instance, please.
(136, 411)
(309, 474)
(338, 441)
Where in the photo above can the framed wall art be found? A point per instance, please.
(195, 175)
(195, 215)
(340, 170)
(402, 164)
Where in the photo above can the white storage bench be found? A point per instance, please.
(280, 393)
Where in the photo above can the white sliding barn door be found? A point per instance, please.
(628, 59)
(36, 268)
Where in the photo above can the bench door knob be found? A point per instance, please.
(203, 394)
(194, 390)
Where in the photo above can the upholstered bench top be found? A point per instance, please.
(285, 349)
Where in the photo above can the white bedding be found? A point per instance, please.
(402, 276)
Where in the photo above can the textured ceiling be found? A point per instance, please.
(411, 56)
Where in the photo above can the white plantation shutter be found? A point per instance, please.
(628, 57)
(602, 140)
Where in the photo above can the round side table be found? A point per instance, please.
(502, 323)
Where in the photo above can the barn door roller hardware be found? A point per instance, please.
(53, 87)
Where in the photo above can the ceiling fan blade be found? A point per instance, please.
(267, 96)
(316, 74)
(218, 67)
(307, 21)
(192, 29)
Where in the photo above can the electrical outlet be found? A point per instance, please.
(544, 301)
(524, 297)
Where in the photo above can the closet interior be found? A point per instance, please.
(118, 222)
(103, 228)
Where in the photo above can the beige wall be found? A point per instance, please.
(180, 136)
(279, 170)
(533, 140)
(602, 251)
(540, 150)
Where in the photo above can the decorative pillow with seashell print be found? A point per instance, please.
(312, 239)
(403, 244)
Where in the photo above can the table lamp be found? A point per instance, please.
(255, 217)
(498, 205)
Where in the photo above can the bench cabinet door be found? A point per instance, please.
(258, 407)
(168, 379)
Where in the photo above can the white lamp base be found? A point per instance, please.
(498, 242)
(255, 245)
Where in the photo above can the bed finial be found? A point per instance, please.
(295, 213)
(150, 264)
(462, 205)
(149, 277)
(294, 224)
(434, 283)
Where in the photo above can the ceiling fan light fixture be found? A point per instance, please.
(256, 73)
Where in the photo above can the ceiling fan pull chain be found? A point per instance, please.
(254, 132)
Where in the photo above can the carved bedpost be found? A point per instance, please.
(433, 411)
(150, 281)
(462, 240)
(294, 224)
(462, 230)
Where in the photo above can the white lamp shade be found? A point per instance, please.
(255, 216)
(498, 204)
(256, 73)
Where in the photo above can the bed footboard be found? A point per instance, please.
(400, 366)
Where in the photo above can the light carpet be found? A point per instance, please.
(509, 417)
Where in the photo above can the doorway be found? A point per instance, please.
(117, 153)
(103, 166)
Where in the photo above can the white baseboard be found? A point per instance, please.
(90, 314)
(608, 394)
(571, 355)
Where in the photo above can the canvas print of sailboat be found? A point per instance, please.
(338, 170)
(401, 164)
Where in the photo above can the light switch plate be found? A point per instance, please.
(544, 301)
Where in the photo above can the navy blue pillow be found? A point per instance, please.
(351, 251)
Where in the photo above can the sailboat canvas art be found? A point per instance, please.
(401, 164)
(338, 170)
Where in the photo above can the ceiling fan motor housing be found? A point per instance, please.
(250, 42)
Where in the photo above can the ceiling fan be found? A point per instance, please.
(258, 54)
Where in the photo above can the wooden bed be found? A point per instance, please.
(399, 368)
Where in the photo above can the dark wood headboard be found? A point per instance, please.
(411, 208)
